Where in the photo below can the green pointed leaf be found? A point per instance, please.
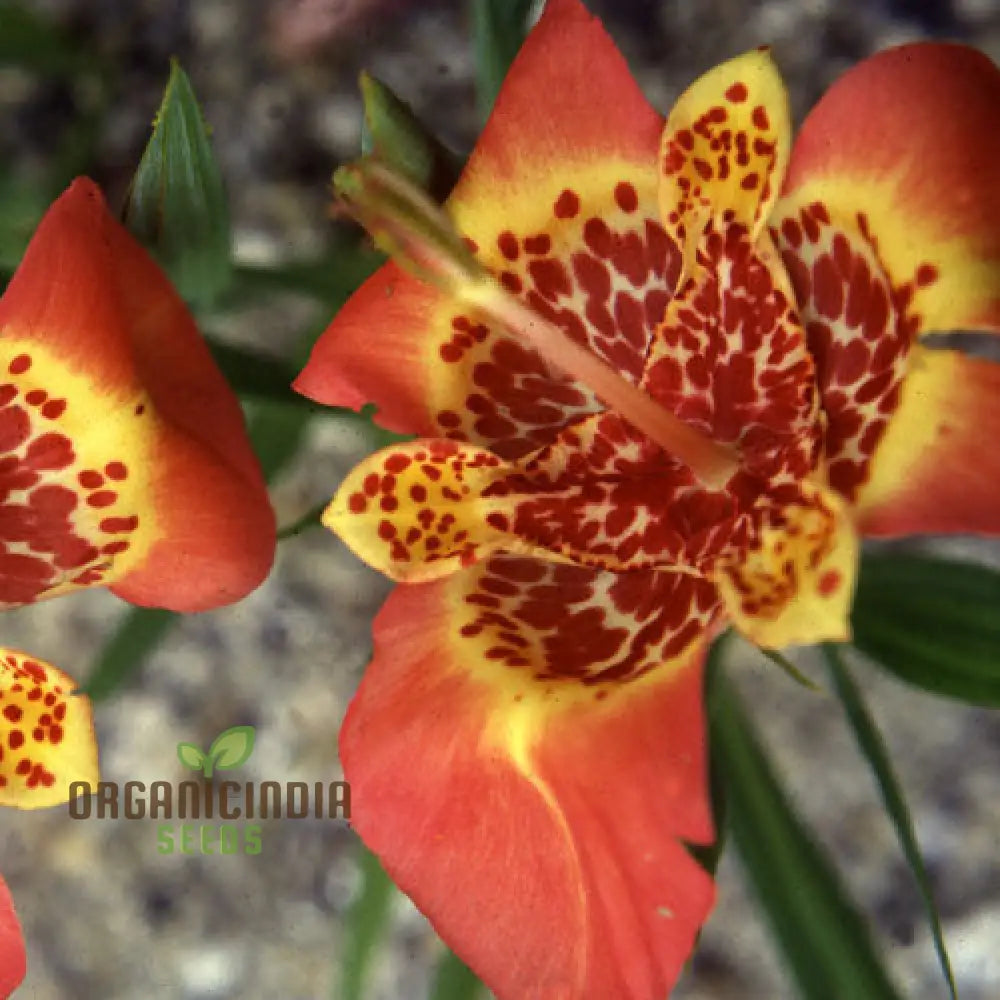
(177, 205)
(932, 622)
(498, 31)
(191, 756)
(454, 980)
(365, 926)
(393, 133)
(140, 632)
(825, 941)
(231, 747)
(875, 751)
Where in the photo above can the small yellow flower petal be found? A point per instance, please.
(46, 733)
(795, 586)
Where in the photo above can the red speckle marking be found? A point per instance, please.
(737, 93)
(54, 409)
(626, 196)
(538, 245)
(567, 205)
(103, 498)
(508, 245)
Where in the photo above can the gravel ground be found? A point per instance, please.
(108, 917)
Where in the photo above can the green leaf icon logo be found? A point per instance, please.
(230, 748)
(190, 756)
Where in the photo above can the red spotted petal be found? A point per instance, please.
(602, 495)
(559, 200)
(860, 329)
(46, 733)
(724, 151)
(123, 455)
(730, 358)
(903, 149)
(936, 470)
(527, 767)
(13, 962)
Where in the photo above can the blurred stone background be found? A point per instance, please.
(109, 918)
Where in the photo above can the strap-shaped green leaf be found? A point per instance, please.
(454, 980)
(365, 927)
(498, 28)
(177, 205)
(139, 633)
(932, 622)
(823, 938)
(873, 747)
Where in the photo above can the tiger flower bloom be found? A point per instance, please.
(124, 463)
(527, 749)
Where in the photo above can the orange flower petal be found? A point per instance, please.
(724, 151)
(936, 470)
(904, 149)
(559, 200)
(13, 961)
(795, 585)
(46, 733)
(123, 456)
(493, 789)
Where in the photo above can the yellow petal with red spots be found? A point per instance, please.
(724, 151)
(46, 733)
(903, 149)
(124, 459)
(795, 584)
(559, 200)
(416, 511)
(526, 753)
(13, 963)
(936, 470)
